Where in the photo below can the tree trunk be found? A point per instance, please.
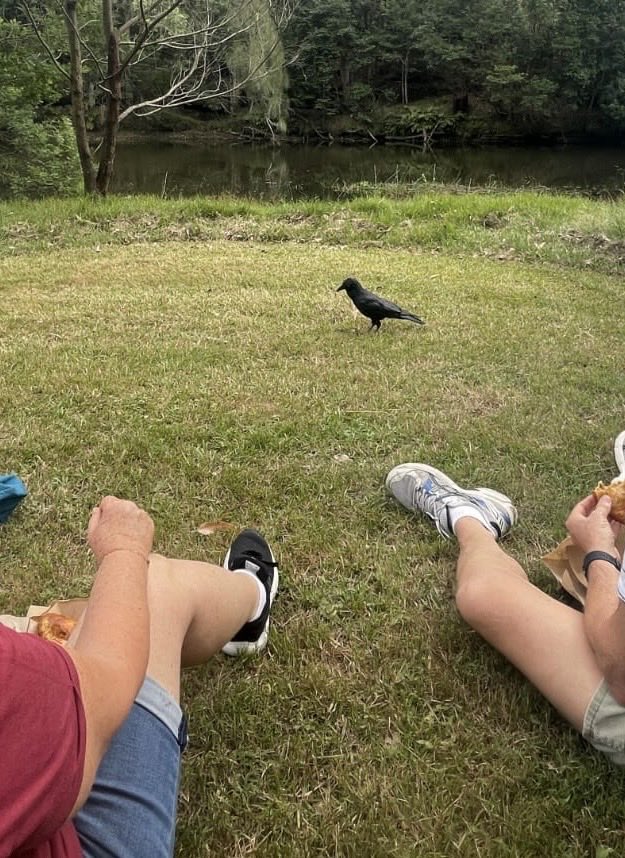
(404, 80)
(113, 101)
(346, 80)
(77, 94)
(111, 122)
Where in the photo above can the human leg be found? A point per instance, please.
(199, 609)
(543, 638)
(131, 809)
(195, 609)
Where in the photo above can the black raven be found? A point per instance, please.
(374, 307)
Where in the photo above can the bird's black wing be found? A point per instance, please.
(372, 305)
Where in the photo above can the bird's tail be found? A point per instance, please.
(410, 317)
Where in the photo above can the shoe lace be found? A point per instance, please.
(433, 502)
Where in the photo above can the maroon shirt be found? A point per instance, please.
(42, 747)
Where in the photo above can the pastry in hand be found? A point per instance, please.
(54, 627)
(616, 492)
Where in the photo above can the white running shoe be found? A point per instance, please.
(619, 457)
(424, 488)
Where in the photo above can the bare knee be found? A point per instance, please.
(475, 602)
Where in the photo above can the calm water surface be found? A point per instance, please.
(297, 172)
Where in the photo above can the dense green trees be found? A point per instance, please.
(395, 69)
(539, 64)
(36, 145)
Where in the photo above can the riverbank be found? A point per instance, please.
(425, 124)
(541, 228)
(193, 355)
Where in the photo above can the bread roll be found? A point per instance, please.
(54, 627)
(616, 491)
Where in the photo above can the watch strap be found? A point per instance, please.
(599, 555)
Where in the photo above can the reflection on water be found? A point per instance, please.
(296, 172)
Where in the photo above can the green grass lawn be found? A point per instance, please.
(210, 377)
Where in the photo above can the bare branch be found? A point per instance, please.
(166, 41)
(177, 95)
(192, 82)
(169, 96)
(205, 30)
(42, 41)
(144, 55)
(83, 44)
(146, 32)
(144, 15)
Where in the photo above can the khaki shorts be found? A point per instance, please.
(604, 725)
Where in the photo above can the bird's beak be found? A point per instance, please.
(340, 287)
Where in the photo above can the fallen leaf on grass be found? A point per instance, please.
(342, 457)
(210, 527)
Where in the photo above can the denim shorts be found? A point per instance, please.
(604, 725)
(131, 809)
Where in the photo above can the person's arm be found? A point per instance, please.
(604, 616)
(112, 646)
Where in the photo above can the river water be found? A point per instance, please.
(302, 171)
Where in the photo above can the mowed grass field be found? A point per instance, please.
(225, 380)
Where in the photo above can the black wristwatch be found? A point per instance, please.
(600, 555)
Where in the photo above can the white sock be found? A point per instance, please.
(262, 593)
(468, 512)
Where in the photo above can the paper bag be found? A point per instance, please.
(73, 608)
(565, 563)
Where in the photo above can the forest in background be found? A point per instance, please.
(532, 67)
(424, 73)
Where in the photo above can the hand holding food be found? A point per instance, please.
(616, 493)
(591, 526)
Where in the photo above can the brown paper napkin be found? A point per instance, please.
(565, 563)
(69, 607)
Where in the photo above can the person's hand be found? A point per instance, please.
(590, 526)
(119, 525)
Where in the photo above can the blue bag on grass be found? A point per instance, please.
(12, 491)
